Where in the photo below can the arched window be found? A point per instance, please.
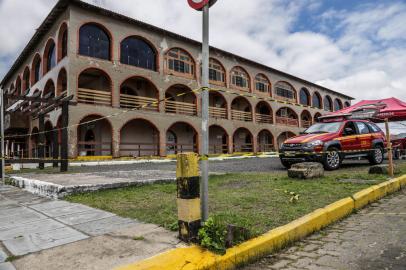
(11, 89)
(338, 105)
(18, 86)
(49, 89)
(62, 83)
(49, 56)
(304, 97)
(285, 91)
(180, 62)
(328, 106)
(216, 72)
(36, 69)
(26, 79)
(62, 42)
(137, 52)
(94, 41)
(316, 100)
(347, 104)
(262, 83)
(240, 78)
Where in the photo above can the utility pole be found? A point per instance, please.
(205, 115)
(204, 5)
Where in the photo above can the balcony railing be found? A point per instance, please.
(286, 121)
(91, 96)
(218, 112)
(291, 100)
(180, 108)
(306, 124)
(265, 147)
(130, 101)
(248, 147)
(264, 118)
(218, 148)
(175, 148)
(241, 116)
(136, 149)
(94, 148)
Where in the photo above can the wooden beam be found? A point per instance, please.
(41, 140)
(64, 126)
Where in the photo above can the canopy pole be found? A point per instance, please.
(390, 154)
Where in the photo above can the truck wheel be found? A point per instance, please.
(376, 156)
(332, 159)
(286, 164)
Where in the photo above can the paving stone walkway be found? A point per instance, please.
(373, 239)
(30, 224)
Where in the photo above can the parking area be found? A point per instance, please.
(251, 164)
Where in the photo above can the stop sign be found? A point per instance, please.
(199, 4)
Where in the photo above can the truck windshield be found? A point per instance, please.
(324, 128)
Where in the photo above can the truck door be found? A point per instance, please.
(364, 137)
(349, 138)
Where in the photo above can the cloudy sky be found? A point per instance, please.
(357, 47)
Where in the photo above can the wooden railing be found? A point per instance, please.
(291, 100)
(135, 149)
(94, 97)
(241, 116)
(264, 118)
(264, 147)
(48, 151)
(218, 148)
(175, 148)
(180, 108)
(218, 112)
(286, 121)
(306, 124)
(131, 101)
(95, 148)
(248, 147)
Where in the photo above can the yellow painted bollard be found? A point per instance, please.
(188, 196)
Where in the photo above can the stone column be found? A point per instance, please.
(162, 142)
(230, 144)
(115, 143)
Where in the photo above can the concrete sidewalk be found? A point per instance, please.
(40, 233)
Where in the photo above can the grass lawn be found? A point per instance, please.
(257, 201)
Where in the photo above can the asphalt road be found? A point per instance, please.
(270, 164)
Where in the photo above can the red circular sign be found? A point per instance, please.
(199, 4)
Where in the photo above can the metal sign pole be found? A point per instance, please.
(389, 146)
(205, 116)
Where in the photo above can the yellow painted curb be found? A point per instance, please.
(196, 258)
(93, 158)
(363, 197)
(339, 209)
(402, 181)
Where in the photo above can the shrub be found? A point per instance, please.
(213, 236)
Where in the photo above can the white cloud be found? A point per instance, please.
(359, 52)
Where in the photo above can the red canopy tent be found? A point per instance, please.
(391, 108)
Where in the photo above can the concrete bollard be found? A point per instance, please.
(188, 196)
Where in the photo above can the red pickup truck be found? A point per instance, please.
(333, 141)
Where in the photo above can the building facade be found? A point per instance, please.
(136, 89)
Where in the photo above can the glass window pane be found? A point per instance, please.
(94, 42)
(136, 52)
